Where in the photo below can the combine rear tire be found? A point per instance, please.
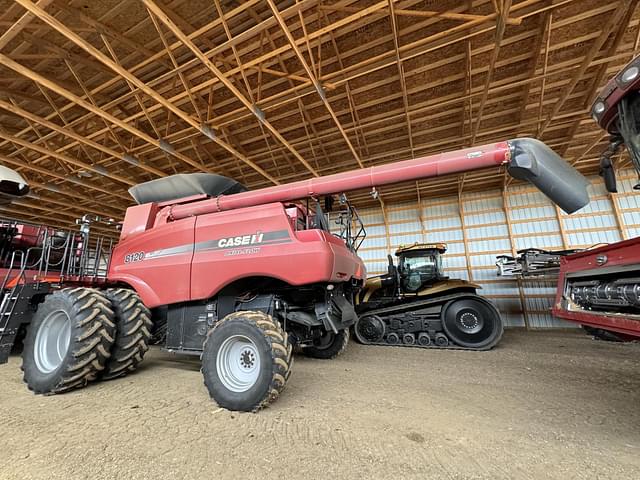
(472, 322)
(133, 325)
(246, 361)
(68, 341)
(329, 346)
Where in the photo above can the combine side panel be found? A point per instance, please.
(157, 263)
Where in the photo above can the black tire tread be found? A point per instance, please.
(91, 347)
(330, 352)
(133, 327)
(281, 351)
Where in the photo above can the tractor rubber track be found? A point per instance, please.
(385, 313)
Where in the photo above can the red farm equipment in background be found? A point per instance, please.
(240, 277)
(600, 288)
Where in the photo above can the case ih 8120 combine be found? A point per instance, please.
(600, 288)
(240, 276)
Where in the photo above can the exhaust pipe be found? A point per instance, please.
(535, 162)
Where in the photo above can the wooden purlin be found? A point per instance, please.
(204, 59)
(313, 80)
(143, 87)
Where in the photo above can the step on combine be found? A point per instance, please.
(600, 288)
(240, 277)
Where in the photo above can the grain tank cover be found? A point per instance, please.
(184, 185)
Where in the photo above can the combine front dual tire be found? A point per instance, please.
(69, 341)
(329, 346)
(246, 361)
(133, 325)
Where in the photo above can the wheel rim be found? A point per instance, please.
(469, 321)
(52, 341)
(238, 363)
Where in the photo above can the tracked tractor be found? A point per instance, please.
(240, 277)
(416, 305)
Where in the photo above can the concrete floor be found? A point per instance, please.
(541, 405)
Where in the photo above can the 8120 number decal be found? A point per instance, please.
(134, 257)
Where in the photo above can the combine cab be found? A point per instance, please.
(239, 277)
(600, 288)
(415, 304)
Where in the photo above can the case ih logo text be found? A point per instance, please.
(240, 241)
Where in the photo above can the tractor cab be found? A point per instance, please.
(418, 266)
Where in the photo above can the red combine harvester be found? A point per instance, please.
(239, 276)
(600, 288)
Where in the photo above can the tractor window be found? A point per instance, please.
(423, 264)
(419, 268)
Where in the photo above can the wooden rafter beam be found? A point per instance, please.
(465, 17)
(67, 159)
(69, 132)
(204, 129)
(401, 76)
(48, 172)
(102, 28)
(611, 24)
(314, 80)
(19, 25)
(155, 10)
(500, 29)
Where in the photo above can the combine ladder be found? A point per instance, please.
(17, 303)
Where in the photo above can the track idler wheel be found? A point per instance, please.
(409, 339)
(472, 322)
(424, 339)
(441, 340)
(393, 338)
(369, 329)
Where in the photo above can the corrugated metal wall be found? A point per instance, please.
(479, 226)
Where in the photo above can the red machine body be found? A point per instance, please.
(193, 258)
(609, 279)
(190, 248)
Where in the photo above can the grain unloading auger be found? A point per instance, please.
(239, 277)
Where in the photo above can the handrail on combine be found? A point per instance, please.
(46, 254)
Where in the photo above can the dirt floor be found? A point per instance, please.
(542, 405)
